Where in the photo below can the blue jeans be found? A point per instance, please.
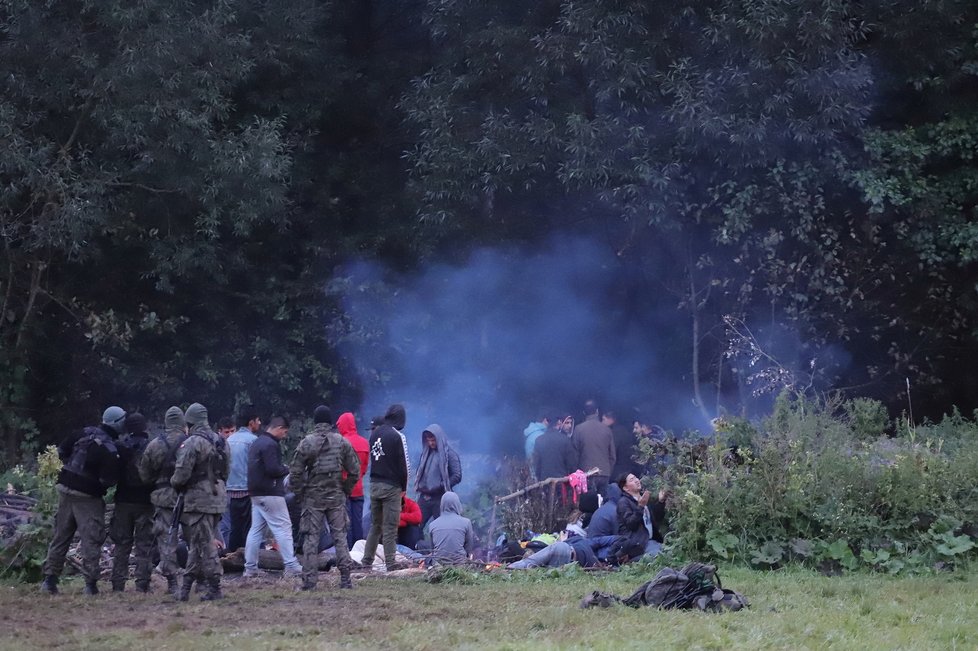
(555, 555)
(269, 513)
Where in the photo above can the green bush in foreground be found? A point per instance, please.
(820, 483)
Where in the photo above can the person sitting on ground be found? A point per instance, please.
(605, 522)
(636, 521)
(573, 547)
(451, 534)
(409, 527)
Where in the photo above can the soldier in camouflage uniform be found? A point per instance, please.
(316, 477)
(201, 469)
(157, 465)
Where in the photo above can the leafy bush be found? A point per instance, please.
(23, 553)
(820, 483)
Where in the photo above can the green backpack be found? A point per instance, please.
(697, 585)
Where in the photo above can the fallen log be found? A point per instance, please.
(552, 481)
(268, 559)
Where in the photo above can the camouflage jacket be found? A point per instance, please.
(157, 464)
(316, 473)
(202, 468)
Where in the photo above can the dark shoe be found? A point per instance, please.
(393, 567)
(50, 584)
(143, 587)
(186, 588)
(118, 587)
(330, 564)
(213, 590)
(172, 585)
(345, 582)
(91, 589)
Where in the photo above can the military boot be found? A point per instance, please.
(172, 585)
(213, 590)
(186, 588)
(50, 584)
(345, 582)
(91, 588)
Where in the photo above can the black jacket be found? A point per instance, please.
(388, 463)
(266, 471)
(131, 489)
(554, 455)
(91, 461)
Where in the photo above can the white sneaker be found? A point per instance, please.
(254, 574)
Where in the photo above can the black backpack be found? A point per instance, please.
(697, 585)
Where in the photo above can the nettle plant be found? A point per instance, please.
(826, 484)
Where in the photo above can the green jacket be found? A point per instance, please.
(316, 473)
(157, 464)
(202, 467)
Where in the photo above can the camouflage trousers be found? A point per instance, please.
(200, 530)
(132, 524)
(310, 525)
(86, 515)
(168, 551)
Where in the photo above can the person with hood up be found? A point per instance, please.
(388, 481)
(200, 473)
(156, 467)
(91, 467)
(451, 534)
(605, 522)
(347, 426)
(439, 470)
(532, 432)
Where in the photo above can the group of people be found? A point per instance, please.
(618, 521)
(228, 489)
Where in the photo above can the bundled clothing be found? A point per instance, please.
(439, 471)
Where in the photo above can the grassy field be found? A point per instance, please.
(527, 610)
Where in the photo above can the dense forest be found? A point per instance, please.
(280, 203)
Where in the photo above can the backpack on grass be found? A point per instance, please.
(697, 586)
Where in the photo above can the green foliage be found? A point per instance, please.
(815, 488)
(23, 553)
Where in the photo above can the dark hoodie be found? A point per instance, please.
(604, 522)
(388, 459)
(439, 470)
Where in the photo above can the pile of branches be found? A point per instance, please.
(16, 534)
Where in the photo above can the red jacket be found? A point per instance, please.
(347, 426)
(410, 513)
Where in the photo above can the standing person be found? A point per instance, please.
(439, 470)
(554, 455)
(532, 432)
(451, 533)
(239, 500)
(388, 480)
(199, 473)
(91, 467)
(266, 485)
(156, 466)
(595, 446)
(323, 472)
(225, 427)
(347, 425)
(132, 517)
(626, 446)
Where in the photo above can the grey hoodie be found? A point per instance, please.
(447, 470)
(451, 533)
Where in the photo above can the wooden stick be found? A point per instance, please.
(539, 484)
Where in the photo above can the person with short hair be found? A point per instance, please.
(269, 512)
(239, 499)
(595, 446)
